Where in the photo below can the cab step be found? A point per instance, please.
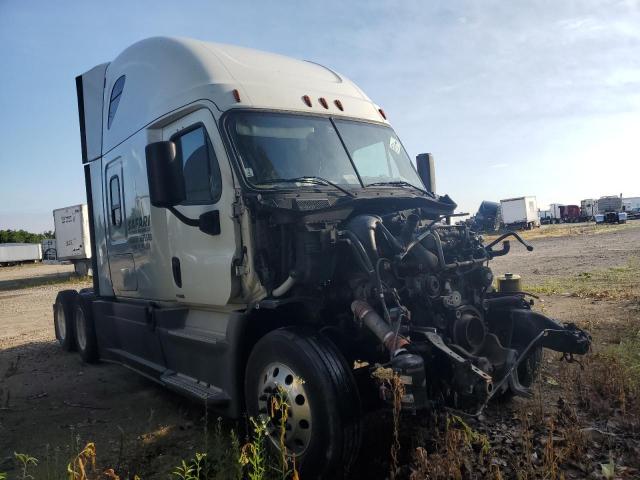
(191, 387)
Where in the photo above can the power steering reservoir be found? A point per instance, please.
(509, 283)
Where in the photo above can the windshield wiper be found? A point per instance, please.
(310, 179)
(399, 183)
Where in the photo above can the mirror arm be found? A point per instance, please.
(192, 222)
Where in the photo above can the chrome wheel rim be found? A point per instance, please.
(81, 335)
(279, 383)
(61, 323)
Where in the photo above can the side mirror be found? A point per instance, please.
(209, 222)
(165, 176)
(426, 171)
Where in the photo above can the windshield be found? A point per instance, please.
(377, 153)
(276, 148)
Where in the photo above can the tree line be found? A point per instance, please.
(22, 236)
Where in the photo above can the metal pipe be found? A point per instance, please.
(381, 329)
(284, 287)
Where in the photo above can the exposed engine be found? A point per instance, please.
(413, 295)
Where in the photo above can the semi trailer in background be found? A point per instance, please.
(73, 242)
(519, 213)
(14, 253)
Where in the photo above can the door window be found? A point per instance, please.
(201, 171)
(116, 203)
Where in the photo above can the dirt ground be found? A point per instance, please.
(603, 246)
(51, 403)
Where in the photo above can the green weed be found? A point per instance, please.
(24, 463)
(194, 470)
(253, 455)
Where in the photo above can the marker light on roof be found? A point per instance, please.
(339, 105)
(307, 100)
(382, 114)
(323, 102)
(236, 95)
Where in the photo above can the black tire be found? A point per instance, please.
(529, 369)
(329, 395)
(63, 319)
(84, 328)
(527, 373)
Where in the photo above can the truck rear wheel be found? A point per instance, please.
(84, 328)
(306, 370)
(63, 318)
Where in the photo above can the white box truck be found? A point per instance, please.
(73, 242)
(249, 213)
(14, 253)
(520, 213)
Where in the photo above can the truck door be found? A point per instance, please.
(121, 263)
(202, 263)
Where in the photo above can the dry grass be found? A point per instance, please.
(609, 384)
(616, 283)
(460, 452)
(569, 229)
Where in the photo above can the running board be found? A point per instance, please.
(190, 387)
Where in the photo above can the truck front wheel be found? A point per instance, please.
(63, 318)
(321, 418)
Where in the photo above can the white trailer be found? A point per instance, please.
(73, 242)
(12, 253)
(520, 212)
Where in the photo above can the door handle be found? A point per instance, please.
(175, 269)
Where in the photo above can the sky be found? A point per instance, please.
(512, 98)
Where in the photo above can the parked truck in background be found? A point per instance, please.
(73, 241)
(260, 234)
(520, 213)
(610, 210)
(16, 253)
(569, 213)
(556, 212)
(487, 219)
(545, 217)
(631, 204)
(49, 249)
(588, 209)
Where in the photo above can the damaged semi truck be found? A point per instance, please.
(258, 229)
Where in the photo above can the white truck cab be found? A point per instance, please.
(258, 229)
